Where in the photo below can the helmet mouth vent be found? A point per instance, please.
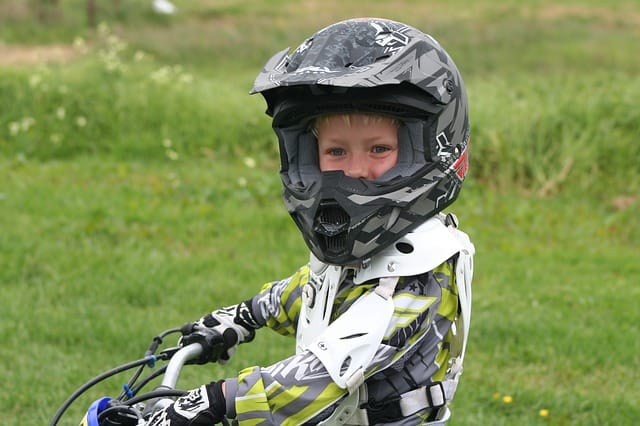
(334, 246)
(331, 220)
(332, 225)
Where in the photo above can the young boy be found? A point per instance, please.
(372, 121)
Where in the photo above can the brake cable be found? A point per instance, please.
(149, 359)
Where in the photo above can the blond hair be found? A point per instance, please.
(367, 118)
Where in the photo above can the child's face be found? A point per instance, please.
(363, 148)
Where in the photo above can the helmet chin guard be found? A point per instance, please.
(371, 66)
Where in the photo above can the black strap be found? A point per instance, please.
(383, 412)
(390, 411)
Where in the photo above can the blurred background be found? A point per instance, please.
(139, 190)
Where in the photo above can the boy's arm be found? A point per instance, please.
(289, 392)
(221, 331)
(278, 304)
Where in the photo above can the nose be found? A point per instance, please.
(358, 167)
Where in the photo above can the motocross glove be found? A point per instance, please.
(204, 406)
(220, 332)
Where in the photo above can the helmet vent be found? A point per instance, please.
(388, 109)
(331, 225)
(335, 245)
(331, 220)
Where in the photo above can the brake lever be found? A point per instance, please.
(169, 352)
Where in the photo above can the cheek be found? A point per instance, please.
(322, 163)
(327, 163)
(385, 165)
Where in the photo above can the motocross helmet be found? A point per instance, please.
(370, 66)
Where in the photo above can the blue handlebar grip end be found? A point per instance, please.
(98, 406)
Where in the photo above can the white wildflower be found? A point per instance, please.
(250, 162)
(79, 43)
(81, 121)
(171, 154)
(14, 128)
(35, 80)
(26, 123)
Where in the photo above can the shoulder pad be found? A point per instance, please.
(417, 252)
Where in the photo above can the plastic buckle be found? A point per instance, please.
(436, 399)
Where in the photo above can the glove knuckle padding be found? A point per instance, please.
(220, 332)
(210, 321)
(199, 407)
(230, 338)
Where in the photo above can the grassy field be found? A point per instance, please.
(139, 190)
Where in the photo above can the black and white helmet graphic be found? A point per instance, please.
(373, 66)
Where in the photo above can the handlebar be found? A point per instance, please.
(129, 399)
(178, 360)
(172, 372)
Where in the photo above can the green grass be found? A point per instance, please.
(139, 190)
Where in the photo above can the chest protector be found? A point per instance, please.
(347, 345)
